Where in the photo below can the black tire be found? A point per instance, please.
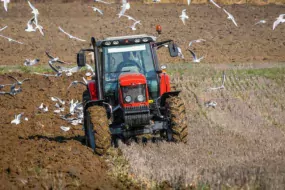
(178, 126)
(97, 130)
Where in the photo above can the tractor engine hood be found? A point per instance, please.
(131, 79)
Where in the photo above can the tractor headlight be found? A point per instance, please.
(140, 98)
(128, 99)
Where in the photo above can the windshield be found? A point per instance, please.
(128, 58)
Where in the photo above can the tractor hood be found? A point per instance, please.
(130, 79)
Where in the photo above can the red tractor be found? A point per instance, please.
(130, 94)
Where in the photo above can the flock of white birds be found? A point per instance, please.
(76, 107)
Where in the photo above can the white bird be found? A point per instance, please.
(55, 99)
(29, 62)
(35, 12)
(212, 1)
(180, 54)
(223, 83)
(211, 104)
(64, 128)
(70, 36)
(77, 82)
(195, 59)
(260, 22)
(1, 29)
(279, 20)
(133, 27)
(125, 6)
(10, 39)
(129, 17)
(55, 59)
(30, 27)
(26, 119)
(18, 82)
(45, 109)
(6, 4)
(188, 1)
(17, 119)
(196, 41)
(72, 106)
(49, 75)
(41, 106)
(90, 68)
(230, 17)
(183, 16)
(101, 1)
(96, 9)
(156, 1)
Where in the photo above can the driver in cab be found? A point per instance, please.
(128, 65)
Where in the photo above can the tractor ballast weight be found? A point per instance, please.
(132, 90)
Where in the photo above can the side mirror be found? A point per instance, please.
(81, 59)
(173, 50)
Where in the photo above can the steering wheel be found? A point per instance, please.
(129, 63)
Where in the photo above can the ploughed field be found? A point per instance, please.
(238, 144)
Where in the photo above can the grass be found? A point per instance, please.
(24, 69)
(270, 73)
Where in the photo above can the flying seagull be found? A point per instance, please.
(196, 41)
(133, 27)
(29, 62)
(101, 1)
(125, 6)
(6, 4)
(230, 17)
(76, 82)
(183, 16)
(13, 90)
(213, 2)
(1, 29)
(17, 119)
(70, 36)
(18, 82)
(10, 39)
(35, 12)
(55, 59)
(223, 83)
(96, 9)
(279, 20)
(195, 59)
(129, 17)
(260, 22)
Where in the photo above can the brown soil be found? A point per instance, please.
(240, 139)
(225, 42)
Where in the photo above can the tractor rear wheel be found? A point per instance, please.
(97, 130)
(178, 127)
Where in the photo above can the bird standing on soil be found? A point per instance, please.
(95, 9)
(17, 119)
(65, 128)
(279, 20)
(213, 2)
(6, 4)
(69, 35)
(211, 104)
(29, 62)
(195, 59)
(183, 16)
(230, 17)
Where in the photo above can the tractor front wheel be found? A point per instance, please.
(97, 130)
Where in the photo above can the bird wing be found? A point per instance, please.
(32, 7)
(72, 83)
(193, 54)
(65, 32)
(86, 82)
(276, 23)
(212, 1)
(227, 12)
(1, 29)
(90, 68)
(53, 68)
(6, 6)
(47, 53)
(78, 39)
(13, 78)
(188, 1)
(122, 12)
(103, 2)
(233, 19)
